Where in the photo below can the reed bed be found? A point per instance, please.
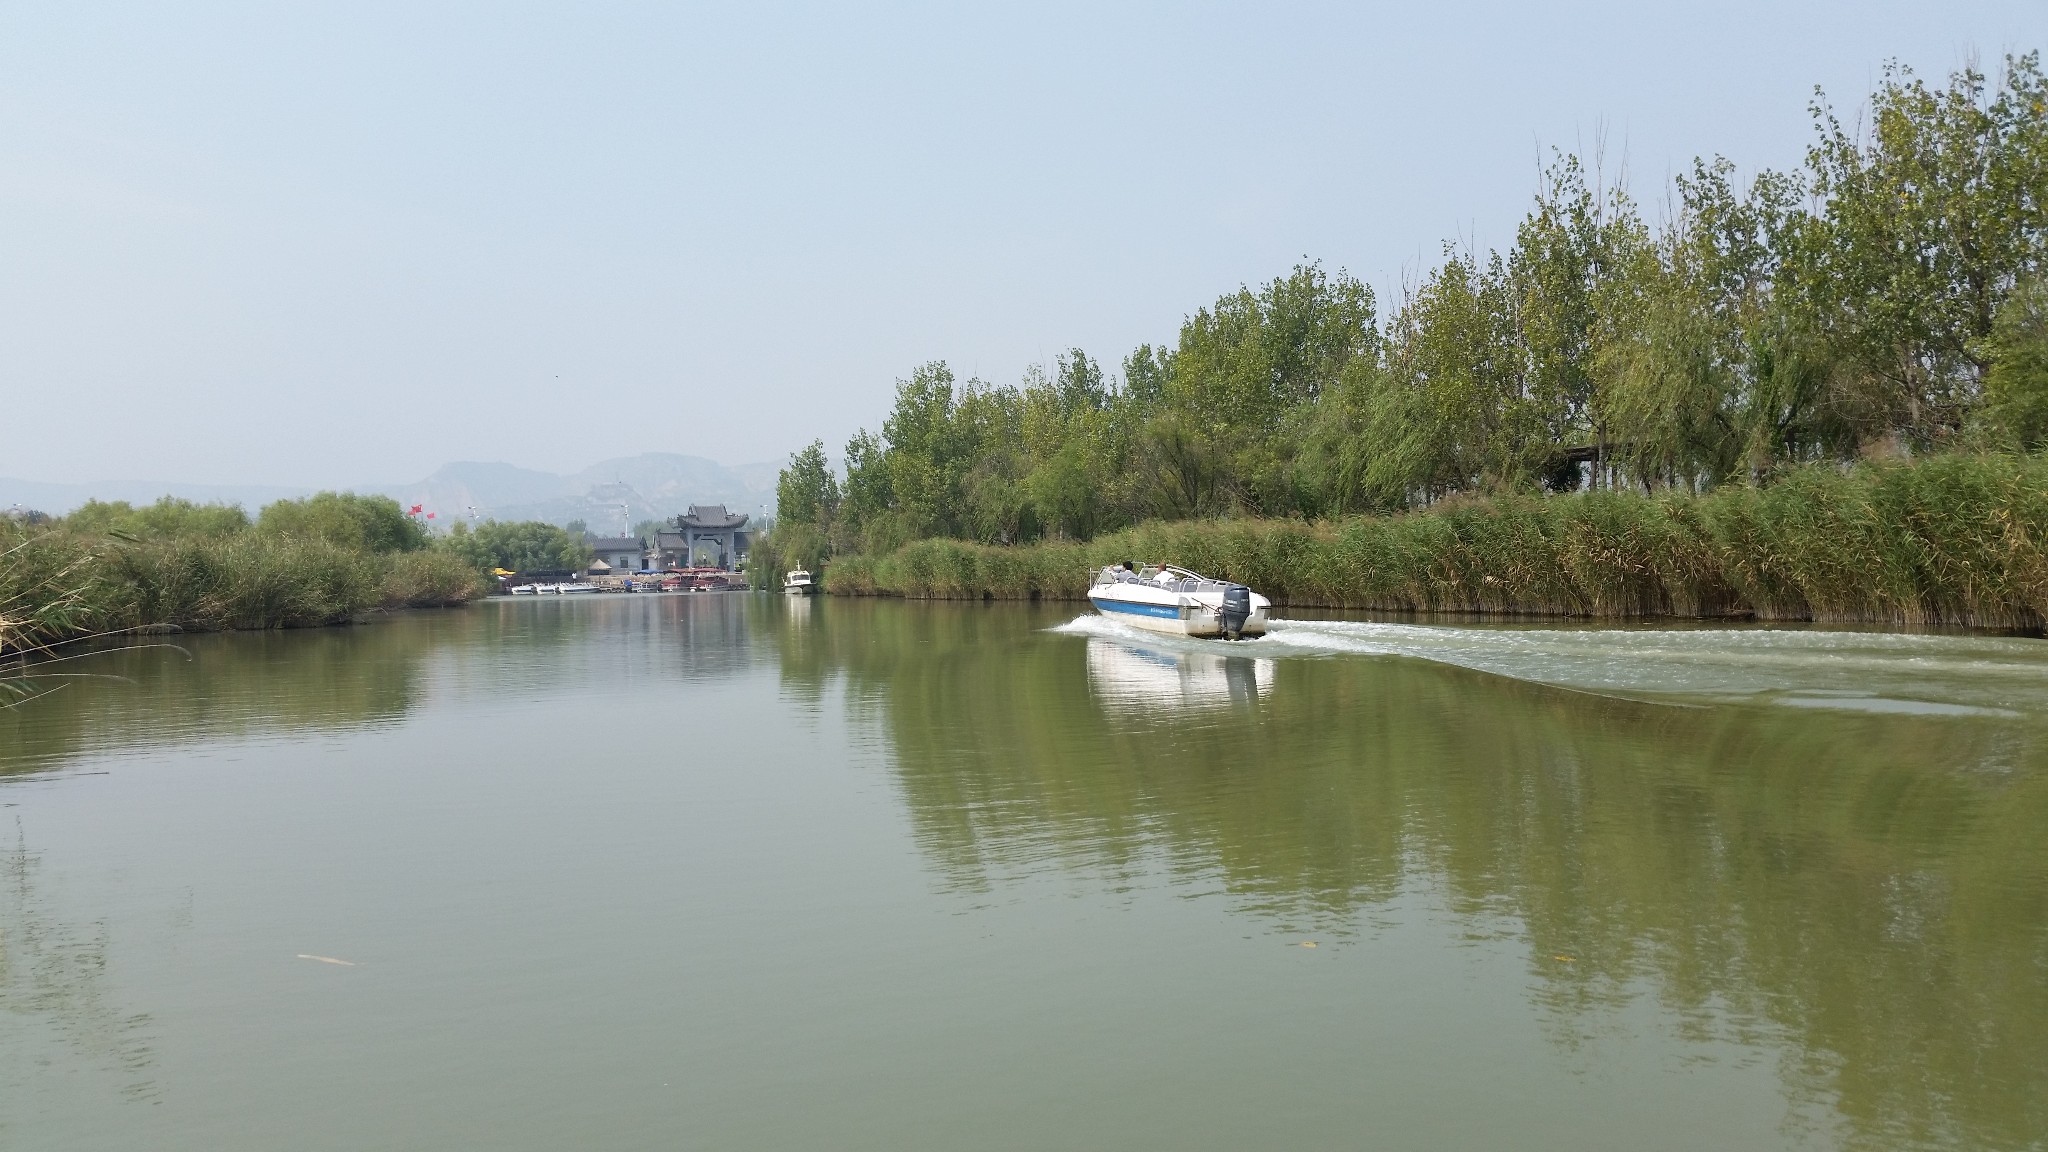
(1950, 539)
(59, 584)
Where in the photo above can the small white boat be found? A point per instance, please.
(546, 589)
(1178, 602)
(798, 582)
(577, 586)
(525, 589)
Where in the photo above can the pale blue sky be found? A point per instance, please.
(329, 244)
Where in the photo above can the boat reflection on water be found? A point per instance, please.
(798, 609)
(1141, 678)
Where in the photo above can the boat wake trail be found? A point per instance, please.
(1796, 667)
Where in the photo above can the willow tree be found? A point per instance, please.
(1568, 251)
(1452, 411)
(1703, 377)
(1241, 368)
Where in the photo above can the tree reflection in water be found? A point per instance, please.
(53, 977)
(1873, 888)
(205, 687)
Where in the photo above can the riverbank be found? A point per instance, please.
(62, 583)
(1950, 539)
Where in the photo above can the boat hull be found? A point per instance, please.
(1174, 619)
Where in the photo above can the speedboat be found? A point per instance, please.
(798, 582)
(1178, 602)
(576, 586)
(525, 589)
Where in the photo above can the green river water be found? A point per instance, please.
(729, 871)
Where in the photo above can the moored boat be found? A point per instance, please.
(798, 582)
(1178, 602)
(576, 586)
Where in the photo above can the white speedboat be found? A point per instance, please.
(525, 589)
(1178, 602)
(798, 582)
(577, 586)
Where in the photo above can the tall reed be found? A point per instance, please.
(60, 583)
(1950, 539)
(49, 589)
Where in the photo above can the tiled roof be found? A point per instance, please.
(711, 516)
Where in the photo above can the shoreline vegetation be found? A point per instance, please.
(1950, 540)
(109, 569)
(1810, 394)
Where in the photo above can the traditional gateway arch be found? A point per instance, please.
(707, 524)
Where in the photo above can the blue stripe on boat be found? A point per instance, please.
(1163, 611)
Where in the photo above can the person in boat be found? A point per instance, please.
(1164, 575)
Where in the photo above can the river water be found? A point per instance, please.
(727, 871)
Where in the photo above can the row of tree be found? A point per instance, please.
(1888, 296)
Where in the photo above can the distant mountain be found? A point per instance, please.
(655, 485)
(57, 499)
(677, 482)
(488, 484)
(609, 496)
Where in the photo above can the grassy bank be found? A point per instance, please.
(1952, 539)
(62, 582)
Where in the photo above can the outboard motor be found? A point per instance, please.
(1237, 608)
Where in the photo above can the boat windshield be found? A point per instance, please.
(1165, 577)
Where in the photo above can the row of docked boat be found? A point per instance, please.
(567, 588)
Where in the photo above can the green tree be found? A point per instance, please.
(346, 520)
(1452, 412)
(1242, 367)
(2016, 387)
(1145, 374)
(1567, 251)
(1803, 317)
(806, 491)
(168, 518)
(1928, 222)
(517, 546)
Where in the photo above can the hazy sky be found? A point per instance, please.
(310, 244)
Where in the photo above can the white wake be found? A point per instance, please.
(1793, 666)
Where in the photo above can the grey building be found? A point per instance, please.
(627, 553)
(706, 526)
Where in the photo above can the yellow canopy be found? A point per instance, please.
(502, 572)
